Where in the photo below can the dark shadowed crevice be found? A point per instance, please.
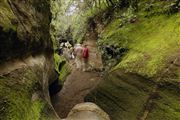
(55, 86)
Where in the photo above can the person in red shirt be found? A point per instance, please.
(85, 56)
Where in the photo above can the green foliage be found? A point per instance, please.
(60, 21)
(79, 28)
(152, 41)
(58, 60)
(144, 39)
(80, 21)
(128, 16)
(64, 70)
(112, 34)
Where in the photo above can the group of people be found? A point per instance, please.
(78, 52)
(66, 49)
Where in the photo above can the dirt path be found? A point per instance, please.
(78, 84)
(76, 87)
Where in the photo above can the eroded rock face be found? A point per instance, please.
(24, 28)
(87, 111)
(24, 89)
(145, 84)
(128, 96)
(121, 95)
(26, 61)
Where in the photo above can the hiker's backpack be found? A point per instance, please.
(85, 53)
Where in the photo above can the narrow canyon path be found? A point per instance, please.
(78, 84)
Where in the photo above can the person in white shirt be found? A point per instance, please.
(78, 53)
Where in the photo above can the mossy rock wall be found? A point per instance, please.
(122, 95)
(24, 28)
(24, 91)
(144, 84)
(25, 40)
(126, 96)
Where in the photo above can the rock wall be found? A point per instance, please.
(24, 89)
(144, 83)
(24, 28)
(128, 96)
(26, 60)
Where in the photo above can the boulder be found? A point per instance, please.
(87, 111)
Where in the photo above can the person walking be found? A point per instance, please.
(85, 56)
(71, 50)
(66, 54)
(78, 53)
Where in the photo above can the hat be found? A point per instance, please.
(78, 44)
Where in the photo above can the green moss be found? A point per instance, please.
(150, 42)
(124, 95)
(16, 91)
(58, 60)
(6, 16)
(112, 33)
(64, 70)
(158, 7)
(167, 107)
(121, 95)
(178, 76)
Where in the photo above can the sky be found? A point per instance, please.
(73, 8)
